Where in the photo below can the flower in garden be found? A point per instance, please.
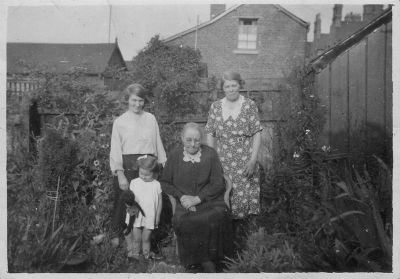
(296, 155)
(326, 148)
(96, 163)
(102, 135)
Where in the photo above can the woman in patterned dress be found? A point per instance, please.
(233, 129)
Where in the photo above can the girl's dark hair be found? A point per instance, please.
(230, 75)
(136, 89)
(148, 162)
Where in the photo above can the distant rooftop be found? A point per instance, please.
(59, 58)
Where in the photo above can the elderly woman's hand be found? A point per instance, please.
(249, 168)
(189, 201)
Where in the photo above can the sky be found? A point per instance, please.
(133, 25)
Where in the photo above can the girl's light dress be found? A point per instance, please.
(146, 194)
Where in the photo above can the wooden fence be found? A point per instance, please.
(357, 89)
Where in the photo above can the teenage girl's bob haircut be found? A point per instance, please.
(136, 89)
(148, 162)
(230, 75)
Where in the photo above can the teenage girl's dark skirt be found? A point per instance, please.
(131, 171)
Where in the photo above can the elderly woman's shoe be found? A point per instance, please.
(193, 268)
(153, 256)
(208, 267)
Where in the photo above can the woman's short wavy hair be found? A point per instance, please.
(136, 89)
(231, 75)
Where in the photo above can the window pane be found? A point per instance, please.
(242, 29)
(252, 37)
(247, 38)
(252, 45)
(242, 37)
(242, 44)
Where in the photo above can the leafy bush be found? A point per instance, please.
(32, 245)
(73, 165)
(265, 253)
(170, 72)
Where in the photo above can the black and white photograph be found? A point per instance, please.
(199, 138)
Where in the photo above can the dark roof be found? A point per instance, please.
(59, 58)
(329, 55)
(228, 11)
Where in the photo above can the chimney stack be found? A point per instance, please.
(317, 27)
(337, 15)
(371, 11)
(350, 17)
(216, 9)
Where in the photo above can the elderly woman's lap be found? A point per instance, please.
(204, 235)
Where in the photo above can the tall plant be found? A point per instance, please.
(171, 72)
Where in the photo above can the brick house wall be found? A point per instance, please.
(281, 45)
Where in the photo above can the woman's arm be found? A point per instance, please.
(115, 150)
(256, 146)
(249, 168)
(116, 158)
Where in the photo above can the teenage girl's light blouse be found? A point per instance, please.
(135, 135)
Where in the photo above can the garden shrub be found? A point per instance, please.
(32, 245)
(265, 253)
(75, 148)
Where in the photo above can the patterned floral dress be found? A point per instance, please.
(234, 147)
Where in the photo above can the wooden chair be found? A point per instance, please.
(228, 186)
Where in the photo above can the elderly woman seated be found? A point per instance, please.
(193, 176)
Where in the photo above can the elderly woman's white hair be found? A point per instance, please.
(194, 126)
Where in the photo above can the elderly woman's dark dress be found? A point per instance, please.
(203, 235)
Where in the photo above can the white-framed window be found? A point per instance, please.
(247, 33)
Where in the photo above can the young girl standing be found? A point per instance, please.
(147, 192)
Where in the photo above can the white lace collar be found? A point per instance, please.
(231, 113)
(194, 158)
